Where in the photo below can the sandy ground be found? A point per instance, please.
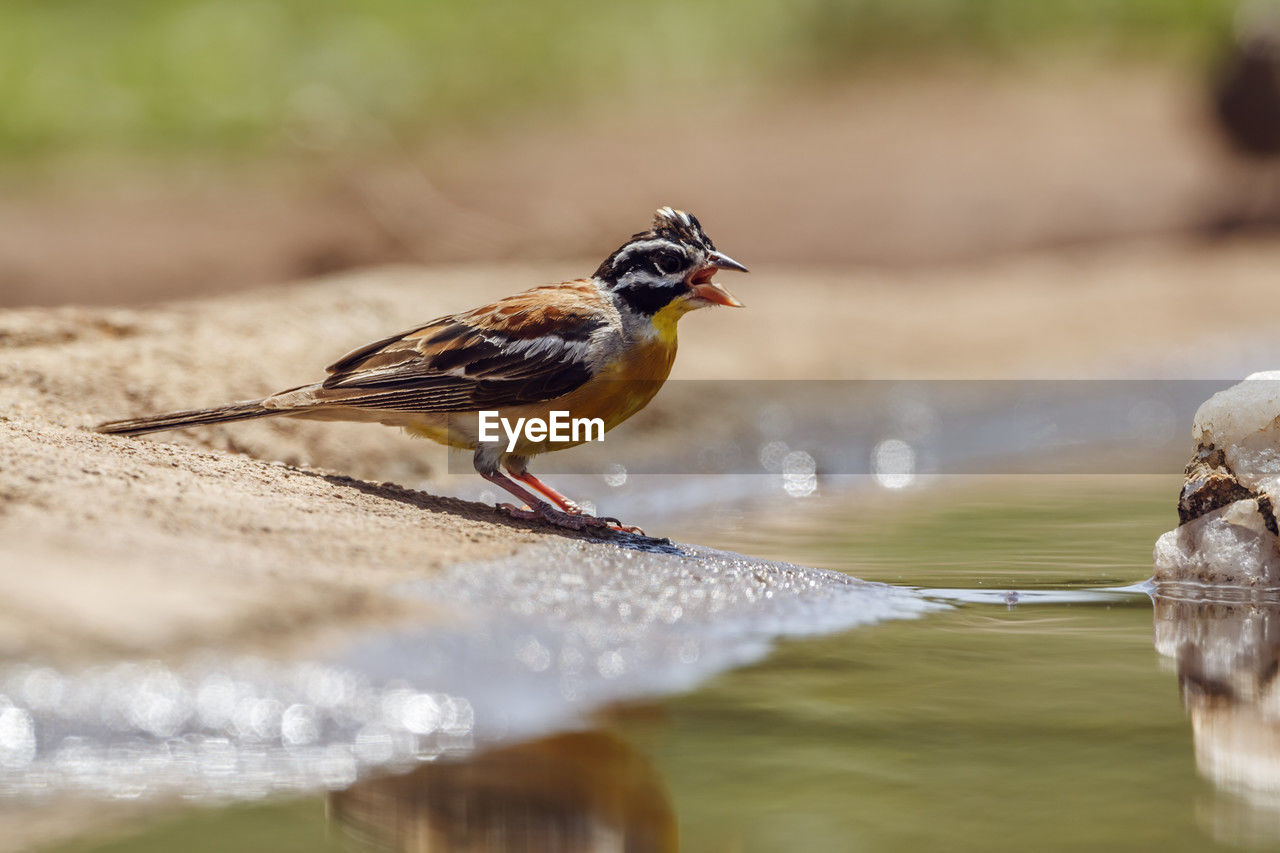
(264, 532)
(147, 548)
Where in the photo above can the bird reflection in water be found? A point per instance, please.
(583, 791)
(1228, 655)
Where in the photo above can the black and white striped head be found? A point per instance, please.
(672, 262)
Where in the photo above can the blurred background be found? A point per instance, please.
(935, 189)
(157, 149)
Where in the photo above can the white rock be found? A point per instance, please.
(1236, 459)
(1244, 422)
(1229, 547)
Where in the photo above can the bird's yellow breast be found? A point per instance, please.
(619, 389)
(624, 386)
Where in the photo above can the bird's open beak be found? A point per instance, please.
(709, 291)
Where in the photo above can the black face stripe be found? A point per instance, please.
(633, 262)
(648, 298)
(678, 228)
(668, 261)
(656, 261)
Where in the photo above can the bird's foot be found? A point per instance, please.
(625, 528)
(572, 508)
(575, 519)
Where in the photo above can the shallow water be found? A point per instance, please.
(511, 649)
(1058, 719)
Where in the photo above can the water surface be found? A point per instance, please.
(1052, 723)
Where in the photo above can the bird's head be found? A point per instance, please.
(668, 268)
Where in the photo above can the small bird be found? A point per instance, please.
(599, 347)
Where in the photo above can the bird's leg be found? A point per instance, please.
(540, 510)
(555, 497)
(516, 468)
(531, 500)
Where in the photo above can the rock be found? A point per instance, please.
(1230, 546)
(1244, 421)
(1210, 485)
(1227, 533)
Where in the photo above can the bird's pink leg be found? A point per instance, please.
(555, 497)
(540, 510)
(566, 505)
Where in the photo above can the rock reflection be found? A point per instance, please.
(1228, 656)
(584, 791)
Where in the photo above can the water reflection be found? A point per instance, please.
(583, 791)
(1228, 656)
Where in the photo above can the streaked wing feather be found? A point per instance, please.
(527, 348)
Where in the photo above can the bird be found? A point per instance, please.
(597, 347)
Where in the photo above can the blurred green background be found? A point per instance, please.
(157, 149)
(133, 76)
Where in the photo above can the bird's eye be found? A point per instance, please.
(667, 262)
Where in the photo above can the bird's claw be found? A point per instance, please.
(579, 520)
(616, 525)
(625, 528)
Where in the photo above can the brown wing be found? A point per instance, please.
(527, 348)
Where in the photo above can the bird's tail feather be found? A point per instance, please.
(195, 417)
